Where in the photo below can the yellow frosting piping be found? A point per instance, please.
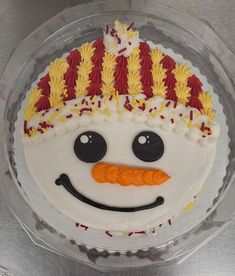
(84, 69)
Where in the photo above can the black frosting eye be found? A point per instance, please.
(90, 147)
(148, 146)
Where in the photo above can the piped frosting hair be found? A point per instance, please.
(119, 74)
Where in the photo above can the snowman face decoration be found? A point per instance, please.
(118, 167)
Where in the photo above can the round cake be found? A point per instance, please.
(118, 135)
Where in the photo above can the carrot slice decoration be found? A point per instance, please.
(111, 174)
(98, 172)
(126, 176)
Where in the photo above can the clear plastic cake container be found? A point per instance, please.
(186, 35)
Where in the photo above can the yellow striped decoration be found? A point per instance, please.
(107, 73)
(206, 100)
(159, 89)
(84, 69)
(133, 77)
(182, 72)
(158, 73)
(156, 56)
(182, 92)
(57, 86)
(57, 68)
(33, 98)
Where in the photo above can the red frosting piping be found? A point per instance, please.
(168, 63)
(170, 82)
(44, 85)
(95, 75)
(146, 68)
(43, 103)
(74, 58)
(120, 75)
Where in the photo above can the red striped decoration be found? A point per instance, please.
(120, 75)
(95, 75)
(71, 75)
(170, 82)
(44, 85)
(196, 87)
(146, 68)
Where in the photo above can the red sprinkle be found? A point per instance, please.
(169, 221)
(110, 98)
(25, 127)
(203, 136)
(130, 234)
(191, 115)
(168, 103)
(129, 43)
(83, 101)
(99, 104)
(172, 121)
(77, 224)
(113, 31)
(118, 39)
(84, 110)
(122, 50)
(108, 233)
(160, 225)
(107, 29)
(44, 124)
(142, 107)
(203, 126)
(162, 117)
(84, 226)
(150, 110)
(69, 116)
(140, 232)
(130, 26)
(181, 114)
(175, 104)
(128, 106)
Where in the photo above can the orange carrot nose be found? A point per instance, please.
(126, 176)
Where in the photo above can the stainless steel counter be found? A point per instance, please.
(17, 253)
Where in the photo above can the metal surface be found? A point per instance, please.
(17, 253)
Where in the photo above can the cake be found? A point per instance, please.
(117, 134)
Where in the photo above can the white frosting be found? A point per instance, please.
(185, 161)
(120, 38)
(169, 118)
